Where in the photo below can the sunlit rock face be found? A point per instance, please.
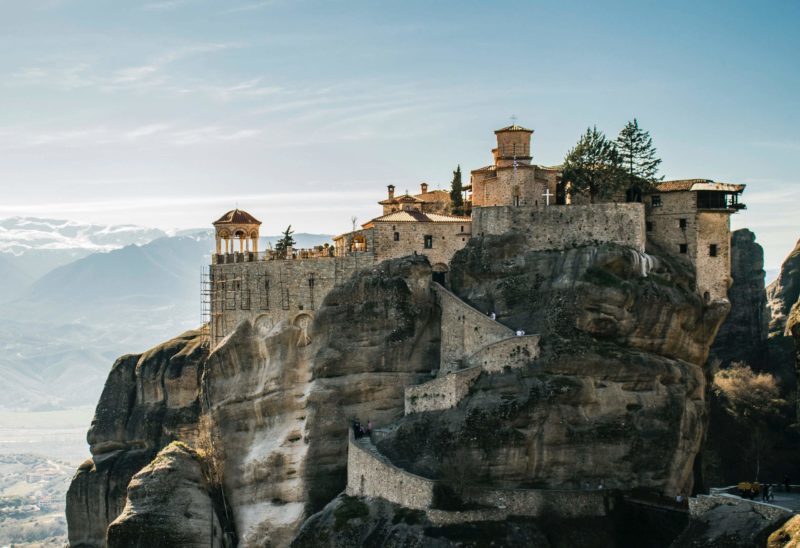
(168, 505)
(149, 400)
(617, 395)
(784, 292)
(280, 402)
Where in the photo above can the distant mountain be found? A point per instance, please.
(31, 247)
(67, 327)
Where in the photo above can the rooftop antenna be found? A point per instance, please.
(513, 119)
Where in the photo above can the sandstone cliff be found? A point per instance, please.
(784, 292)
(743, 335)
(280, 402)
(617, 394)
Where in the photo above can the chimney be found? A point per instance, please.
(423, 187)
(391, 191)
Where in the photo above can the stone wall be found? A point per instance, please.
(562, 227)
(267, 292)
(369, 474)
(441, 393)
(677, 222)
(512, 353)
(465, 331)
(703, 503)
(446, 239)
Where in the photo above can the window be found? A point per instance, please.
(516, 201)
(462, 228)
(682, 223)
(655, 201)
(428, 242)
(712, 250)
(683, 248)
(649, 226)
(396, 236)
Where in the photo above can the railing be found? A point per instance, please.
(251, 257)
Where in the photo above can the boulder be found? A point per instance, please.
(168, 505)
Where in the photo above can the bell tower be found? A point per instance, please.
(513, 145)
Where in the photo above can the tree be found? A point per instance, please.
(593, 165)
(456, 193)
(753, 401)
(286, 241)
(639, 162)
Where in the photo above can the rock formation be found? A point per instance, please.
(149, 400)
(617, 394)
(168, 505)
(743, 335)
(784, 292)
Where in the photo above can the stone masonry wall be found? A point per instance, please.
(562, 227)
(370, 475)
(510, 353)
(447, 238)
(440, 393)
(703, 503)
(465, 330)
(269, 291)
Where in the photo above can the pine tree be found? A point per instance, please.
(639, 160)
(456, 193)
(284, 243)
(593, 165)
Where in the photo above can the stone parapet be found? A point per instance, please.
(440, 393)
(565, 226)
(512, 353)
(465, 330)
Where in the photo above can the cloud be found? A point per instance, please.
(156, 133)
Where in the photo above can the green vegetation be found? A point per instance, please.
(457, 193)
(593, 165)
(639, 163)
(285, 242)
(350, 508)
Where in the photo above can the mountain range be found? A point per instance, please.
(77, 296)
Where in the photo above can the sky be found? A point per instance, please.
(167, 113)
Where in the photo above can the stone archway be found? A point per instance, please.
(303, 322)
(440, 271)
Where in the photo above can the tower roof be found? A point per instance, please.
(513, 127)
(237, 217)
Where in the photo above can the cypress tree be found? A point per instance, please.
(639, 162)
(456, 193)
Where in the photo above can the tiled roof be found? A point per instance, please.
(419, 217)
(697, 184)
(404, 199)
(237, 217)
(514, 127)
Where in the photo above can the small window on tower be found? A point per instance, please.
(462, 228)
(655, 200)
(683, 248)
(649, 226)
(428, 242)
(682, 223)
(712, 250)
(396, 236)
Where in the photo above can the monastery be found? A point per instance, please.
(687, 219)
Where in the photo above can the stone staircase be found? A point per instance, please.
(472, 343)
